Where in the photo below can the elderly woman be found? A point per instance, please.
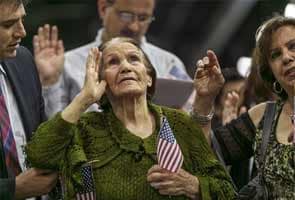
(121, 141)
(242, 138)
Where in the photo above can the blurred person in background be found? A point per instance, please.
(62, 76)
(21, 106)
(234, 85)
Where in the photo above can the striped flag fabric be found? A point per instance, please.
(87, 190)
(168, 151)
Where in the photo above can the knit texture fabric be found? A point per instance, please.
(121, 160)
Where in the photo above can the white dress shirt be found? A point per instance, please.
(14, 116)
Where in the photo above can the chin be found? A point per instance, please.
(131, 93)
(10, 54)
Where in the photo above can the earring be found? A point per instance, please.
(277, 88)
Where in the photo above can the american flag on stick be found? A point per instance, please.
(168, 151)
(87, 190)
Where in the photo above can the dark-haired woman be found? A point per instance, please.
(275, 54)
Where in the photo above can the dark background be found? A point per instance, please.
(185, 27)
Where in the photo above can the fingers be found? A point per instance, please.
(60, 47)
(98, 58)
(54, 37)
(213, 58)
(47, 37)
(36, 45)
(156, 168)
(208, 64)
(157, 174)
(92, 59)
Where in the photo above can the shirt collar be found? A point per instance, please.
(2, 69)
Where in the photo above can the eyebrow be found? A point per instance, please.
(287, 43)
(13, 19)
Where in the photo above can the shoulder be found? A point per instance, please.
(23, 51)
(256, 113)
(24, 55)
(22, 63)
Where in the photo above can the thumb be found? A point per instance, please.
(101, 87)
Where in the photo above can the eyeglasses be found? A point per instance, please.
(129, 17)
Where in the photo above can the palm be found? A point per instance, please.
(208, 85)
(49, 62)
(93, 88)
(49, 54)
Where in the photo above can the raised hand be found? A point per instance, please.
(230, 108)
(173, 184)
(93, 88)
(208, 79)
(49, 54)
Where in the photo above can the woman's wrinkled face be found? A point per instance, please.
(282, 56)
(124, 70)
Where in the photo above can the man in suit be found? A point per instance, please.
(23, 108)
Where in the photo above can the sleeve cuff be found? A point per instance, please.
(52, 88)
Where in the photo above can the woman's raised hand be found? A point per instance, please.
(93, 88)
(208, 79)
(91, 92)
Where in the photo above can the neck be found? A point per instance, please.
(289, 105)
(105, 36)
(134, 114)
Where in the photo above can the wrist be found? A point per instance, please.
(48, 81)
(203, 119)
(203, 104)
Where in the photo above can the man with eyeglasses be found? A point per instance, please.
(129, 18)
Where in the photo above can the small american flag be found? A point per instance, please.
(87, 190)
(168, 151)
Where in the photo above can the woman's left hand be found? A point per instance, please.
(173, 184)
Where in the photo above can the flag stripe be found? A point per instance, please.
(168, 151)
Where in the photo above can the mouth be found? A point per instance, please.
(127, 79)
(290, 72)
(14, 45)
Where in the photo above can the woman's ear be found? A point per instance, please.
(150, 81)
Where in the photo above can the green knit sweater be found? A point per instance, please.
(120, 160)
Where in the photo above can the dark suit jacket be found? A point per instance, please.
(23, 77)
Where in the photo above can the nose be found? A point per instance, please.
(125, 67)
(288, 57)
(20, 31)
(134, 26)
